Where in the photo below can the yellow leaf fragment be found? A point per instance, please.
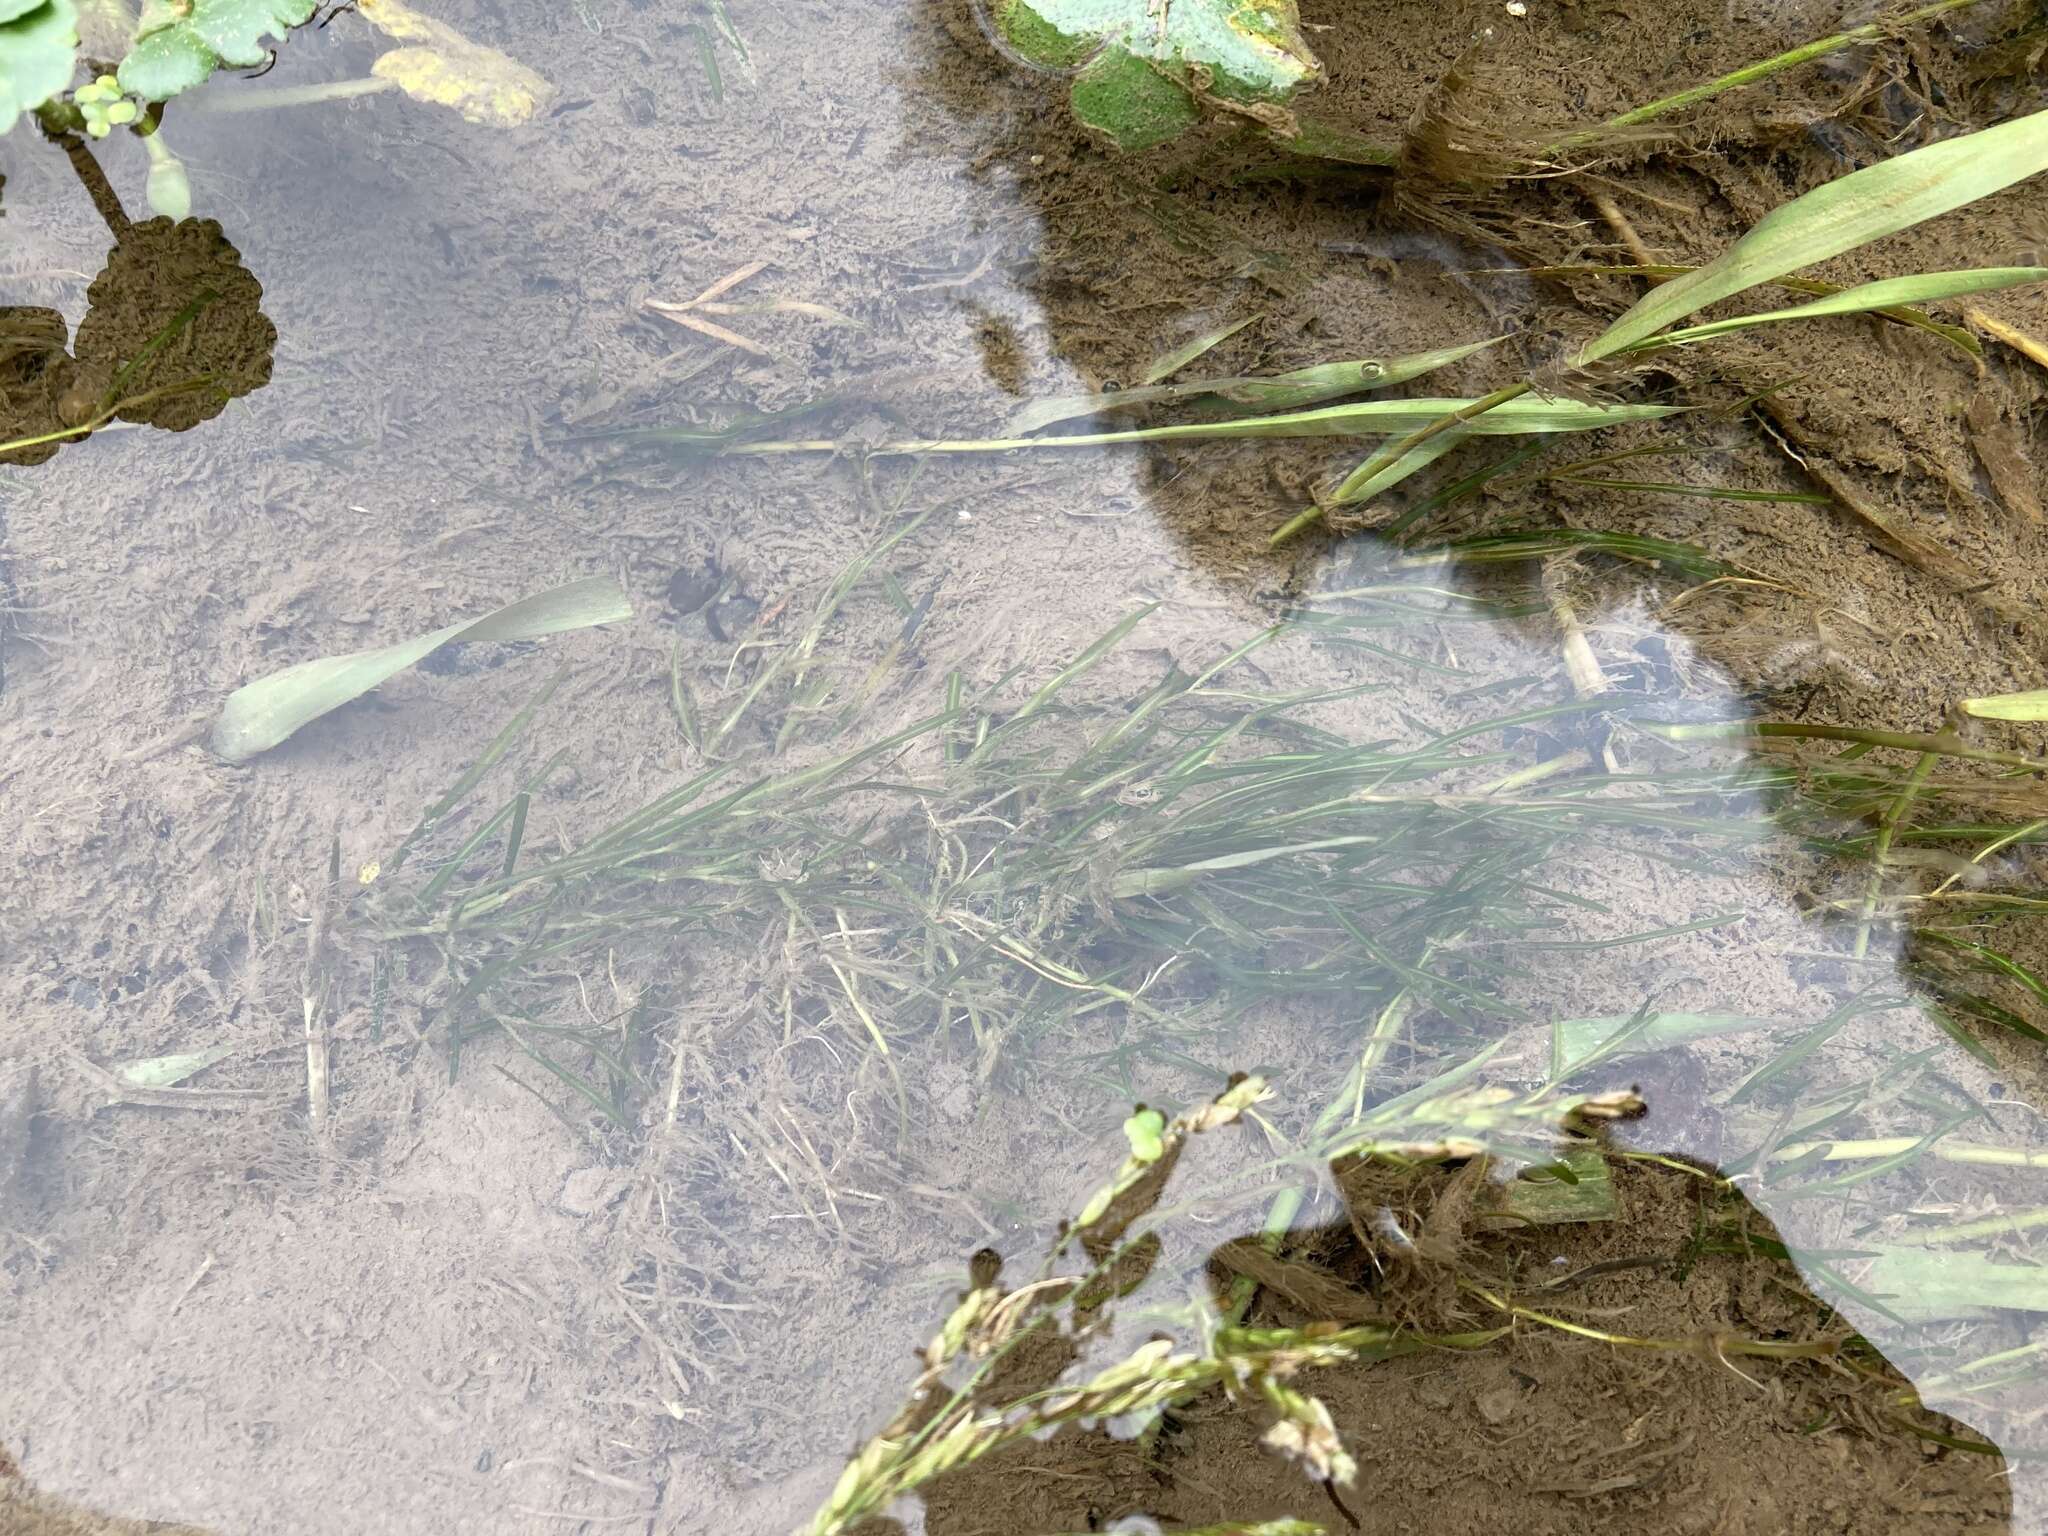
(448, 70)
(2010, 706)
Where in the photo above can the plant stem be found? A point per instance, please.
(1880, 852)
(88, 427)
(300, 95)
(97, 187)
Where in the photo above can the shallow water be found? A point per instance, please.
(652, 1247)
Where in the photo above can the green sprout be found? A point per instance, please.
(1146, 1131)
(105, 106)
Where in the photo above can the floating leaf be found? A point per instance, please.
(1144, 68)
(180, 44)
(36, 43)
(446, 69)
(164, 1071)
(262, 714)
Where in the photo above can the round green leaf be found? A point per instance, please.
(165, 63)
(1037, 40)
(1143, 63)
(1251, 48)
(235, 29)
(35, 55)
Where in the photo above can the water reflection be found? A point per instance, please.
(1467, 1420)
(173, 331)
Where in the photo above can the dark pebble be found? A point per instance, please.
(693, 586)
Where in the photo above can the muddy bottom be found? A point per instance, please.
(806, 943)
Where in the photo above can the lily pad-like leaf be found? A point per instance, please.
(261, 714)
(37, 41)
(181, 42)
(448, 70)
(1144, 68)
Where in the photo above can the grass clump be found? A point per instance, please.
(1113, 885)
(1140, 872)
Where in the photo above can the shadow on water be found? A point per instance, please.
(173, 331)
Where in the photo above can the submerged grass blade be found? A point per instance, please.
(1297, 390)
(1366, 418)
(1179, 358)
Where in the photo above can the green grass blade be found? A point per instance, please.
(1379, 472)
(2027, 708)
(474, 774)
(1084, 661)
(1297, 390)
(1365, 418)
(1846, 213)
(1892, 292)
(1166, 367)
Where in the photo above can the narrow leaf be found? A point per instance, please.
(1364, 418)
(165, 1071)
(1840, 216)
(1172, 363)
(1291, 391)
(1951, 1283)
(2028, 707)
(1865, 297)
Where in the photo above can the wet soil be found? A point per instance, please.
(1539, 1431)
(449, 1311)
